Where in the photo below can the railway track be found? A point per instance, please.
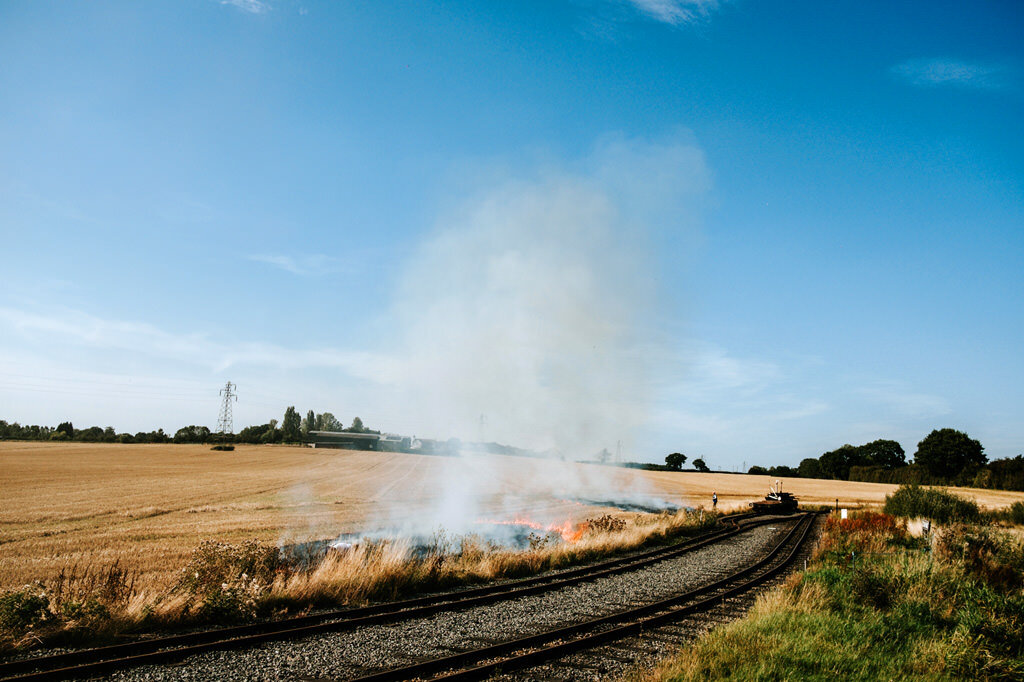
(529, 651)
(103, 660)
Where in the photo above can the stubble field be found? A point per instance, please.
(149, 506)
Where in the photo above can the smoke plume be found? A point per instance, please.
(526, 318)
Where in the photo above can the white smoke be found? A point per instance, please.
(526, 318)
(532, 305)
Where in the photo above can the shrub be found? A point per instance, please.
(864, 531)
(866, 522)
(227, 448)
(21, 610)
(988, 555)
(1017, 513)
(215, 564)
(89, 611)
(230, 580)
(913, 501)
(605, 524)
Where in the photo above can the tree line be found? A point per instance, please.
(291, 429)
(943, 457)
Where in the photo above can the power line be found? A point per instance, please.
(224, 425)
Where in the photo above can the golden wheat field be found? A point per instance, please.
(148, 506)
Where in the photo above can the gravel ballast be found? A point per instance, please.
(346, 655)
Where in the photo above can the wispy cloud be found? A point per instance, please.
(305, 266)
(250, 6)
(941, 72)
(81, 329)
(675, 12)
(904, 401)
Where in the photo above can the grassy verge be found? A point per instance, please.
(224, 583)
(878, 604)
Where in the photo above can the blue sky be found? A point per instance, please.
(748, 231)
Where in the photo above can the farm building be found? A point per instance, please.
(343, 439)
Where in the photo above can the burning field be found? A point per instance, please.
(149, 507)
(166, 533)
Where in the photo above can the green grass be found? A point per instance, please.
(899, 612)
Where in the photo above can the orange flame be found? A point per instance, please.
(570, 532)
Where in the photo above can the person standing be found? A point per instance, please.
(714, 500)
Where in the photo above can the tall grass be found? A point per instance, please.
(227, 583)
(895, 611)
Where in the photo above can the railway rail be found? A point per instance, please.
(102, 660)
(529, 651)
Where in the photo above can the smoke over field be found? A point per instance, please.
(525, 318)
(63, 507)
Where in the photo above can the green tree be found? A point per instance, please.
(291, 426)
(93, 434)
(328, 422)
(67, 428)
(309, 423)
(675, 460)
(836, 464)
(757, 470)
(809, 468)
(357, 426)
(192, 434)
(272, 434)
(947, 453)
(882, 453)
(700, 465)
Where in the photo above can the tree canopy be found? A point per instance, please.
(675, 460)
(809, 468)
(328, 422)
(291, 425)
(947, 453)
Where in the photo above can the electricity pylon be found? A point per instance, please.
(224, 426)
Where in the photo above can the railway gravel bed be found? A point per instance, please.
(635, 655)
(347, 655)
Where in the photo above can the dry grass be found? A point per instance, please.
(385, 571)
(223, 583)
(147, 507)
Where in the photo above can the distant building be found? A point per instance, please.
(343, 440)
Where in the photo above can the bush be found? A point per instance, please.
(1017, 513)
(985, 554)
(605, 524)
(87, 612)
(230, 580)
(912, 501)
(227, 448)
(215, 564)
(21, 610)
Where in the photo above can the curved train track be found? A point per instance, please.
(529, 651)
(102, 660)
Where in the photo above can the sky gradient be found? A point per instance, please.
(748, 231)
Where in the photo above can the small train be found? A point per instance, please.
(775, 502)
